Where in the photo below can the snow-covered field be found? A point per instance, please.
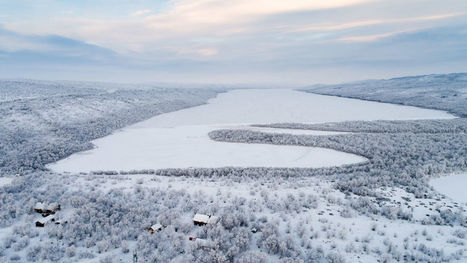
(180, 139)
(452, 186)
(5, 181)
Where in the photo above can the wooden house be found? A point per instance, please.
(45, 220)
(156, 228)
(201, 243)
(201, 220)
(46, 209)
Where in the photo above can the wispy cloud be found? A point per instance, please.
(374, 37)
(208, 51)
(363, 23)
(185, 18)
(141, 12)
(14, 42)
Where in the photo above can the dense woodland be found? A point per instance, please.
(259, 227)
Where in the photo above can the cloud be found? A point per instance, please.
(184, 19)
(11, 42)
(221, 12)
(141, 12)
(14, 44)
(354, 24)
(208, 51)
(368, 38)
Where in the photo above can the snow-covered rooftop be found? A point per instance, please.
(46, 219)
(213, 219)
(156, 227)
(201, 218)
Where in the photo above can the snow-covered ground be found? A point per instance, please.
(452, 186)
(5, 181)
(179, 139)
(328, 223)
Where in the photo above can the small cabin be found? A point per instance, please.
(155, 228)
(213, 220)
(201, 243)
(201, 220)
(46, 209)
(44, 221)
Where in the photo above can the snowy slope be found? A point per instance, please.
(41, 122)
(444, 91)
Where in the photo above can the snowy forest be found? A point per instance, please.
(438, 91)
(42, 122)
(381, 210)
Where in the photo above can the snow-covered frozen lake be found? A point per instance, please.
(452, 186)
(180, 139)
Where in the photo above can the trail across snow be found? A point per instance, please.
(180, 139)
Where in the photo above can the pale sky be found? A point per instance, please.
(295, 42)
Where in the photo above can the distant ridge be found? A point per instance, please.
(436, 91)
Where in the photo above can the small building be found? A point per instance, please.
(213, 220)
(39, 207)
(201, 243)
(201, 220)
(156, 228)
(45, 220)
(46, 209)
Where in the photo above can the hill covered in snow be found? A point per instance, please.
(441, 91)
(43, 121)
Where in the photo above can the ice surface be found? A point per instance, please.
(282, 105)
(190, 146)
(180, 139)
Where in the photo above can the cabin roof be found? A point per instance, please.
(46, 219)
(203, 243)
(39, 205)
(201, 218)
(43, 206)
(156, 226)
(213, 219)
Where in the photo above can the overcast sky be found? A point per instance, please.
(231, 41)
